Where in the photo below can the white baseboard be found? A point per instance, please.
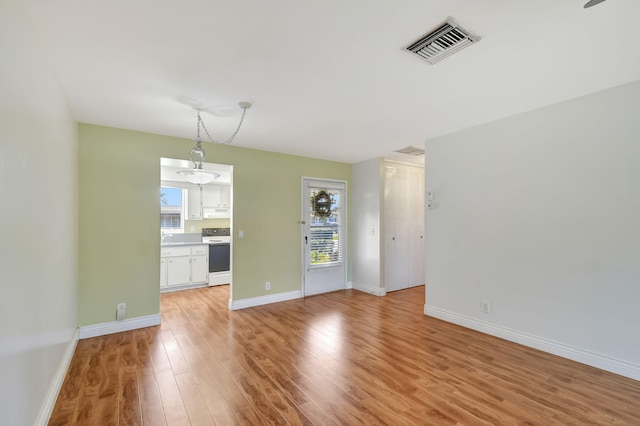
(602, 362)
(349, 285)
(376, 291)
(118, 326)
(264, 300)
(56, 384)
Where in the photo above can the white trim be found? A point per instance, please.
(169, 289)
(593, 359)
(349, 285)
(335, 181)
(264, 300)
(88, 331)
(371, 289)
(418, 165)
(56, 384)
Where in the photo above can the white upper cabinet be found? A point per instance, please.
(216, 201)
(216, 196)
(194, 202)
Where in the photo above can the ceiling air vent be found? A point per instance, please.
(443, 41)
(411, 150)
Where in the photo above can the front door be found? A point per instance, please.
(324, 235)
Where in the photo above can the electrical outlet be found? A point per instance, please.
(486, 307)
(431, 205)
(267, 285)
(122, 311)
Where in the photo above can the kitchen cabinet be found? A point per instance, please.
(216, 196)
(184, 265)
(178, 270)
(200, 264)
(163, 272)
(216, 201)
(194, 202)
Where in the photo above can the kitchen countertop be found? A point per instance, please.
(191, 243)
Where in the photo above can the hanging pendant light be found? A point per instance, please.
(198, 175)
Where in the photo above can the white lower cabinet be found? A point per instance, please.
(200, 264)
(199, 269)
(181, 266)
(179, 270)
(163, 272)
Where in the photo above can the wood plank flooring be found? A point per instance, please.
(344, 358)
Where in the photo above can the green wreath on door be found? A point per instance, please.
(321, 204)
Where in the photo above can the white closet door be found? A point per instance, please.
(416, 221)
(416, 261)
(390, 263)
(402, 260)
(404, 226)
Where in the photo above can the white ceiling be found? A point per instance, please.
(328, 79)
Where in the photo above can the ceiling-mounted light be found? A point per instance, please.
(198, 175)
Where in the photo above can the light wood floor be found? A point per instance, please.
(343, 358)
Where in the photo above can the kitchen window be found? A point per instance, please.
(172, 209)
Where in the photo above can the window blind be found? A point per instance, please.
(326, 236)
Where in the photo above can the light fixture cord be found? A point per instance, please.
(201, 123)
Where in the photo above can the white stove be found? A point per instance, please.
(219, 240)
(216, 235)
(216, 240)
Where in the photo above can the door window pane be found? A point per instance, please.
(325, 232)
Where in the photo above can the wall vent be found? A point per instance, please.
(411, 150)
(444, 40)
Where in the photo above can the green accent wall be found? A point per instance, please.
(119, 219)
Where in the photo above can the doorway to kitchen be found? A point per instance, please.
(195, 225)
(324, 242)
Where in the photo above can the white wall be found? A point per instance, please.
(366, 199)
(38, 237)
(539, 214)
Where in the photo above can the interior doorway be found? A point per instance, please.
(195, 225)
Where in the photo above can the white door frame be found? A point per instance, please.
(302, 222)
